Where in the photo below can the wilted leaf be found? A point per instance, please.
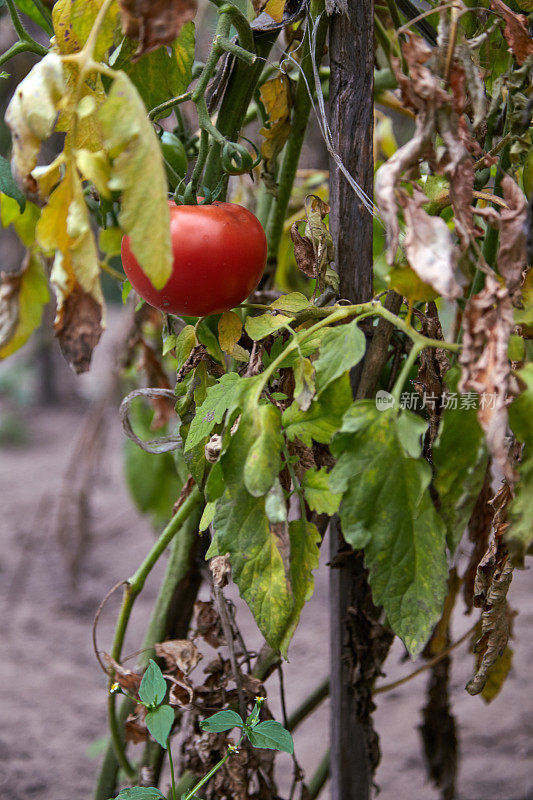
(479, 528)
(407, 283)
(138, 172)
(179, 654)
(128, 680)
(516, 31)
(429, 246)
(497, 675)
(318, 493)
(135, 729)
(155, 22)
(31, 115)
(387, 510)
(438, 731)
(23, 296)
(73, 21)
(488, 321)
(208, 624)
(276, 98)
(220, 568)
(493, 579)
(64, 227)
(229, 331)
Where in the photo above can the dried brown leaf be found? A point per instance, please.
(155, 22)
(208, 624)
(179, 654)
(512, 248)
(303, 252)
(221, 570)
(488, 322)
(126, 679)
(429, 246)
(181, 692)
(78, 327)
(135, 727)
(516, 31)
(479, 528)
(438, 731)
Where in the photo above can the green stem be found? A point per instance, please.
(133, 588)
(23, 47)
(230, 47)
(171, 763)
(168, 105)
(299, 121)
(211, 772)
(232, 112)
(107, 778)
(21, 31)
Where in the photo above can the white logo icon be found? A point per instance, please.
(384, 400)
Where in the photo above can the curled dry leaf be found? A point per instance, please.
(208, 624)
(128, 680)
(135, 729)
(494, 576)
(438, 730)
(429, 246)
(78, 327)
(179, 654)
(516, 31)
(221, 570)
(155, 22)
(31, 116)
(488, 322)
(479, 528)
(181, 692)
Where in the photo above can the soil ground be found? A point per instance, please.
(52, 691)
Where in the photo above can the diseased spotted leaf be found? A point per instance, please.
(324, 416)
(229, 331)
(219, 398)
(263, 462)
(387, 510)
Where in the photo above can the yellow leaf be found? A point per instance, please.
(24, 224)
(407, 283)
(73, 21)
(275, 9)
(110, 241)
(32, 113)
(96, 168)
(229, 331)
(138, 173)
(276, 98)
(22, 298)
(496, 675)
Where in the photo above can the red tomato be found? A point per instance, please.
(219, 256)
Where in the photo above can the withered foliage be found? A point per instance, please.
(493, 578)
(155, 22)
(479, 528)
(488, 322)
(78, 327)
(516, 31)
(434, 364)
(438, 731)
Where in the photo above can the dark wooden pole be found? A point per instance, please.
(358, 643)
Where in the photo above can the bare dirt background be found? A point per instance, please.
(52, 691)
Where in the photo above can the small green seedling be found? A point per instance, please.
(159, 720)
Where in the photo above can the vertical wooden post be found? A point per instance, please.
(354, 750)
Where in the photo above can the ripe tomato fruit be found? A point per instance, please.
(219, 256)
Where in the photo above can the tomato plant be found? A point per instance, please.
(219, 254)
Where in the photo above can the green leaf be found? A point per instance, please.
(9, 186)
(29, 8)
(520, 532)
(305, 540)
(153, 686)
(220, 398)
(341, 349)
(259, 327)
(259, 552)
(159, 75)
(318, 494)
(159, 722)
(21, 304)
(207, 517)
(271, 735)
(222, 721)
(386, 508)
(324, 416)
(139, 175)
(460, 450)
(291, 303)
(263, 462)
(215, 483)
(275, 505)
(25, 223)
(140, 793)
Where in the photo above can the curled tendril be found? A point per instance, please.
(237, 160)
(196, 196)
